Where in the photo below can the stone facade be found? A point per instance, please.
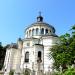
(31, 53)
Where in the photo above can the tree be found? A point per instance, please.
(69, 71)
(63, 53)
(2, 55)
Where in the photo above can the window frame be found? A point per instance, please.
(26, 57)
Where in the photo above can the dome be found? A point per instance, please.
(41, 24)
(39, 28)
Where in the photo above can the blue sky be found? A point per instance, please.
(16, 15)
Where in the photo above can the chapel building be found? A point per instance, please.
(32, 52)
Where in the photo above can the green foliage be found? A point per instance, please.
(69, 71)
(73, 30)
(63, 53)
(2, 55)
(26, 72)
(11, 72)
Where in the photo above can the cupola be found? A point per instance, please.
(39, 28)
(39, 18)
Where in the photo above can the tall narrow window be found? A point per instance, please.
(27, 57)
(50, 31)
(29, 32)
(39, 55)
(46, 31)
(42, 31)
(32, 32)
(37, 31)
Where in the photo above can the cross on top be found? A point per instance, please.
(39, 18)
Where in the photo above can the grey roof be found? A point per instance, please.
(40, 24)
(12, 45)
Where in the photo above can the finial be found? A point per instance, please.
(39, 18)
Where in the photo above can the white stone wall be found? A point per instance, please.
(12, 59)
(15, 57)
(6, 62)
(36, 49)
(31, 58)
(33, 49)
(47, 61)
(48, 42)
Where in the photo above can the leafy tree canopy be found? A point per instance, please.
(63, 53)
(2, 55)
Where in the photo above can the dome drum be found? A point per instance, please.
(38, 30)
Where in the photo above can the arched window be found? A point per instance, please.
(37, 31)
(39, 55)
(50, 31)
(29, 32)
(42, 31)
(46, 31)
(33, 32)
(27, 57)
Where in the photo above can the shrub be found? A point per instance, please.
(11, 72)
